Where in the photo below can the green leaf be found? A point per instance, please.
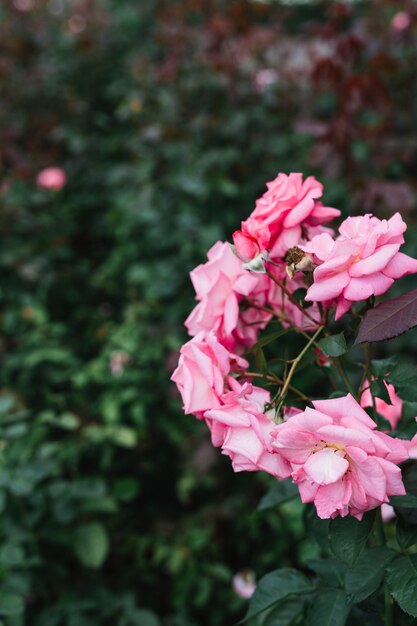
(260, 360)
(330, 571)
(329, 608)
(406, 533)
(382, 367)
(368, 573)
(147, 618)
(348, 536)
(402, 582)
(283, 491)
(264, 341)
(91, 544)
(11, 603)
(379, 390)
(275, 587)
(404, 379)
(334, 345)
(407, 502)
(284, 614)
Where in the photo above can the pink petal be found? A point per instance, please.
(326, 466)
(328, 288)
(363, 288)
(332, 266)
(341, 407)
(343, 306)
(376, 262)
(332, 498)
(400, 265)
(299, 212)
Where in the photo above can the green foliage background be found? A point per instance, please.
(114, 508)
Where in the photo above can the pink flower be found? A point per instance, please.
(221, 285)
(288, 207)
(202, 367)
(339, 460)
(243, 429)
(244, 584)
(401, 21)
(118, 360)
(53, 178)
(363, 261)
(391, 412)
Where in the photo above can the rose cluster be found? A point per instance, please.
(333, 451)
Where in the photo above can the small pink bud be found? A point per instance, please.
(244, 584)
(400, 21)
(53, 178)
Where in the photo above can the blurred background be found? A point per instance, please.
(133, 135)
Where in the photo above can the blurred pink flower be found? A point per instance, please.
(401, 21)
(118, 361)
(264, 79)
(53, 178)
(244, 584)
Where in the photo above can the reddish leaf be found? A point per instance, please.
(389, 319)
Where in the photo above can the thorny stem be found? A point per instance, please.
(279, 381)
(343, 375)
(295, 364)
(336, 363)
(288, 293)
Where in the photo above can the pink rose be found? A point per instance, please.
(221, 284)
(285, 209)
(202, 367)
(363, 261)
(391, 412)
(53, 178)
(338, 459)
(243, 428)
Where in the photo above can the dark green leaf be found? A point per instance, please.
(348, 536)
(329, 608)
(402, 582)
(334, 345)
(379, 390)
(331, 572)
(146, 618)
(404, 379)
(91, 544)
(407, 502)
(368, 572)
(284, 614)
(283, 491)
(406, 533)
(260, 360)
(275, 587)
(11, 603)
(382, 367)
(264, 341)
